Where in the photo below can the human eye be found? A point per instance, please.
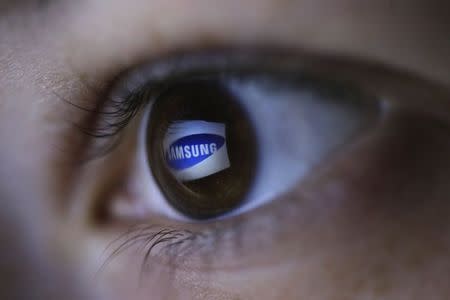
(221, 142)
(222, 133)
(211, 155)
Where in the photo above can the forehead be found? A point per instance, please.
(410, 34)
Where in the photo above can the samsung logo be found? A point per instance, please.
(195, 149)
(188, 151)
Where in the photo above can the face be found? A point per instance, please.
(224, 149)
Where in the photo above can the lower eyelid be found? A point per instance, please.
(328, 212)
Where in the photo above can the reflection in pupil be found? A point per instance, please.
(202, 149)
(196, 149)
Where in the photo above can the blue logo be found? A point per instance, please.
(191, 150)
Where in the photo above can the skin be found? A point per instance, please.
(370, 222)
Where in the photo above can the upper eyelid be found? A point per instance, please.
(146, 77)
(182, 63)
(381, 80)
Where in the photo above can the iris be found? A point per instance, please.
(201, 148)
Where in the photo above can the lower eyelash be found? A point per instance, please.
(169, 245)
(173, 247)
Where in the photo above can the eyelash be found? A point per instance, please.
(107, 123)
(171, 246)
(147, 238)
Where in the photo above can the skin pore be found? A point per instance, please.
(371, 222)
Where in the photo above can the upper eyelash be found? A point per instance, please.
(115, 116)
(142, 85)
(108, 122)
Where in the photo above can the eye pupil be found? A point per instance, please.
(201, 148)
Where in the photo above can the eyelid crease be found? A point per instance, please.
(191, 62)
(135, 88)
